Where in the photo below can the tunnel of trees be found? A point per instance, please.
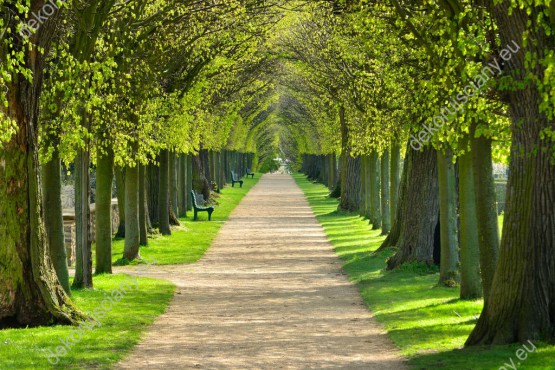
(400, 108)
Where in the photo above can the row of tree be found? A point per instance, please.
(452, 86)
(162, 95)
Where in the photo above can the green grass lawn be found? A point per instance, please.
(189, 241)
(427, 322)
(102, 346)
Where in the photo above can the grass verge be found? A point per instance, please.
(428, 323)
(102, 346)
(189, 242)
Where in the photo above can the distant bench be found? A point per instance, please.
(249, 173)
(200, 206)
(235, 179)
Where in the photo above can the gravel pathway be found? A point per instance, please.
(268, 294)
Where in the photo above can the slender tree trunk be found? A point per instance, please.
(163, 197)
(53, 218)
(83, 242)
(189, 181)
(132, 233)
(143, 207)
(449, 265)
(375, 212)
(103, 210)
(521, 301)
(120, 186)
(182, 186)
(173, 182)
(471, 284)
(363, 188)
(394, 178)
(153, 193)
(386, 218)
(413, 232)
(486, 208)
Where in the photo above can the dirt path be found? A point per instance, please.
(268, 294)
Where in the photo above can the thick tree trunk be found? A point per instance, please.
(350, 188)
(103, 210)
(449, 265)
(53, 218)
(132, 234)
(163, 195)
(143, 207)
(471, 284)
(386, 218)
(83, 241)
(120, 187)
(29, 289)
(486, 209)
(418, 213)
(350, 170)
(521, 302)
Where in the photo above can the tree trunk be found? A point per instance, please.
(143, 207)
(120, 187)
(103, 210)
(30, 291)
(83, 242)
(189, 181)
(363, 186)
(486, 208)
(350, 170)
(375, 211)
(173, 182)
(200, 184)
(386, 219)
(449, 265)
(471, 284)
(521, 303)
(182, 186)
(132, 234)
(53, 218)
(394, 175)
(418, 213)
(163, 195)
(153, 184)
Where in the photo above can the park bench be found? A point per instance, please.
(249, 173)
(235, 179)
(200, 206)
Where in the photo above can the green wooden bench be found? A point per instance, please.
(235, 179)
(249, 173)
(200, 206)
